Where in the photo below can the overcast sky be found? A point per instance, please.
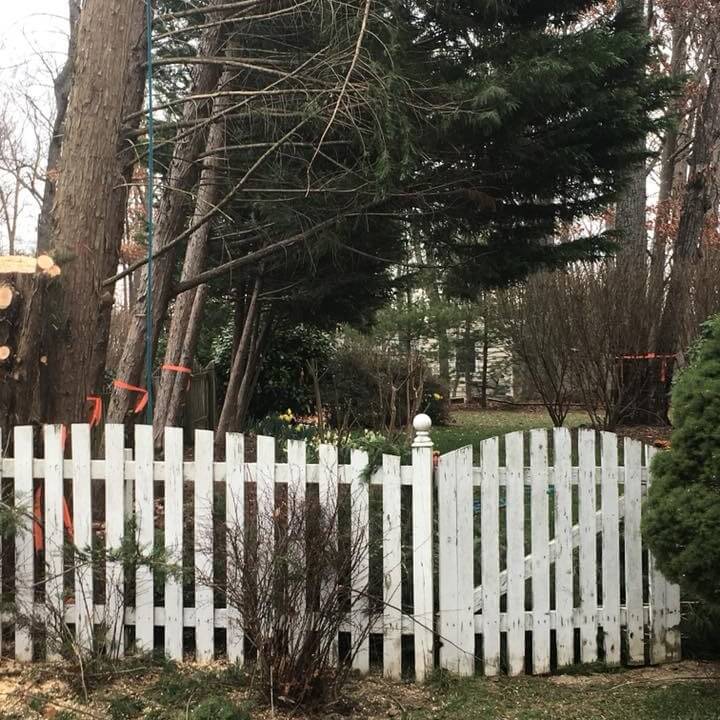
(30, 27)
(33, 45)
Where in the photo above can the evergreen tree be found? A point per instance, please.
(681, 518)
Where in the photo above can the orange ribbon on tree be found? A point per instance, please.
(179, 369)
(142, 400)
(96, 411)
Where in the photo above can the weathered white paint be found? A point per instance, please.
(515, 574)
(490, 546)
(459, 618)
(633, 552)
(392, 568)
(610, 550)
(422, 544)
(173, 508)
(235, 522)
(562, 446)
(82, 524)
(588, 548)
(53, 524)
(539, 508)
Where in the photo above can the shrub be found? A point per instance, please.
(372, 386)
(682, 513)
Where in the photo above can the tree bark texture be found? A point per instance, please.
(697, 205)
(171, 217)
(238, 370)
(182, 336)
(90, 196)
(62, 85)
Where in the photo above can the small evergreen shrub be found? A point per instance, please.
(681, 518)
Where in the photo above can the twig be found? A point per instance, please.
(346, 82)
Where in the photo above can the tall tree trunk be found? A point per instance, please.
(86, 206)
(126, 164)
(62, 85)
(697, 204)
(184, 360)
(630, 212)
(181, 334)
(668, 189)
(229, 408)
(171, 218)
(252, 370)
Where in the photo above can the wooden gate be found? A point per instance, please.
(541, 544)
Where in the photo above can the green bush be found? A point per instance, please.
(681, 518)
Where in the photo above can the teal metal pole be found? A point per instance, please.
(150, 224)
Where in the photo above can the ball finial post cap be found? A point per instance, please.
(422, 424)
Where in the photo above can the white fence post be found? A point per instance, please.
(422, 513)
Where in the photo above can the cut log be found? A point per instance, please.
(45, 262)
(7, 295)
(10, 264)
(53, 271)
(5, 353)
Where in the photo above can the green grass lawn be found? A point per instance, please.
(621, 696)
(470, 427)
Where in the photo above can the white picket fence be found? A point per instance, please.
(549, 550)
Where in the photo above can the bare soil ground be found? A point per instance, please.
(162, 693)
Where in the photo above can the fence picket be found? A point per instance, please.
(235, 525)
(633, 552)
(24, 570)
(82, 528)
(297, 515)
(610, 549)
(392, 568)
(540, 556)
(114, 534)
(360, 547)
(145, 520)
(490, 551)
(564, 633)
(204, 577)
(328, 499)
(515, 531)
(174, 541)
(54, 536)
(447, 560)
(588, 552)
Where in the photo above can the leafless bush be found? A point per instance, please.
(536, 322)
(298, 572)
(571, 330)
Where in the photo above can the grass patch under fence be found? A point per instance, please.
(471, 427)
(651, 694)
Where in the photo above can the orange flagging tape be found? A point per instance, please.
(178, 368)
(142, 400)
(96, 411)
(37, 524)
